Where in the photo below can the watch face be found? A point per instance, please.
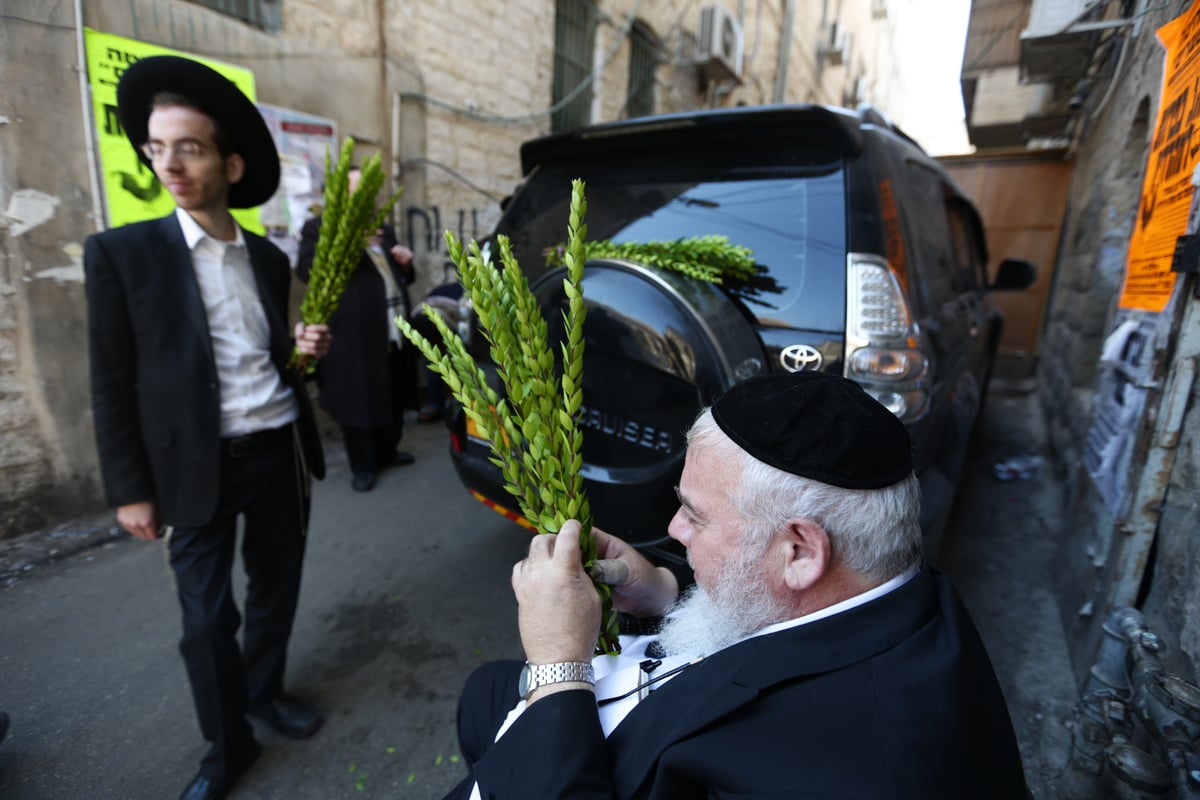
(523, 681)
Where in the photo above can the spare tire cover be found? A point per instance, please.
(657, 347)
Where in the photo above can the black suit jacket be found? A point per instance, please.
(893, 699)
(155, 396)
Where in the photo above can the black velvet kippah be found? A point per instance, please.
(818, 426)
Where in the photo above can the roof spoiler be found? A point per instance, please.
(837, 127)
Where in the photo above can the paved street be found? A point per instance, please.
(406, 590)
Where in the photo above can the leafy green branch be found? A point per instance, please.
(347, 220)
(708, 258)
(532, 431)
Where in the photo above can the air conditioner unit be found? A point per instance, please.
(1050, 17)
(720, 43)
(835, 49)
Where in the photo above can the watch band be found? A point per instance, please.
(538, 675)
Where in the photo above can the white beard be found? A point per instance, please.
(699, 623)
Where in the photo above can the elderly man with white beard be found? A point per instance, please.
(816, 655)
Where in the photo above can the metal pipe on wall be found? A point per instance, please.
(1136, 725)
(396, 165)
(85, 99)
(779, 92)
(383, 96)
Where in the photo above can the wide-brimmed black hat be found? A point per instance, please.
(215, 95)
(818, 426)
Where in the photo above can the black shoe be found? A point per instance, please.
(204, 787)
(402, 459)
(289, 716)
(3, 725)
(363, 481)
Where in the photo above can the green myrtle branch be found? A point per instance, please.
(707, 258)
(348, 219)
(533, 433)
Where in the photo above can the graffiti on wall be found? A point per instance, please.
(425, 227)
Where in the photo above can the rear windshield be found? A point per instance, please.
(790, 214)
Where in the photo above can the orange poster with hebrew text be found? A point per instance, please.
(1167, 187)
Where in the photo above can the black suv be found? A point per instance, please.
(872, 265)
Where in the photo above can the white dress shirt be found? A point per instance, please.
(253, 395)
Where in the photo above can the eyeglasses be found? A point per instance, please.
(184, 151)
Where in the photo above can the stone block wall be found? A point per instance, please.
(1094, 544)
(47, 463)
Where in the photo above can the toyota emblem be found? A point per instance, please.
(800, 357)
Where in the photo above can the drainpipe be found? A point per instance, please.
(85, 98)
(779, 93)
(396, 166)
(383, 98)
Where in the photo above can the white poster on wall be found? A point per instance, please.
(302, 141)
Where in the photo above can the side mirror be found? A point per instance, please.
(1013, 274)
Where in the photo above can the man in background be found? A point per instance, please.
(369, 377)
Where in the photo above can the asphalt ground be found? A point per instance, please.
(406, 590)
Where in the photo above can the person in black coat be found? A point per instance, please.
(369, 377)
(198, 418)
(815, 656)
(444, 299)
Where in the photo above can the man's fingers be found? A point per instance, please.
(145, 532)
(566, 544)
(612, 571)
(540, 543)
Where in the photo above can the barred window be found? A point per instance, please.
(574, 49)
(259, 13)
(643, 62)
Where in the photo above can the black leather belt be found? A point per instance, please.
(251, 443)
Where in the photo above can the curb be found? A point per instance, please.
(20, 555)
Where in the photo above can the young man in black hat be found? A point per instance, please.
(198, 419)
(816, 656)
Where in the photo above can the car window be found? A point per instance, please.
(791, 216)
(968, 254)
(931, 240)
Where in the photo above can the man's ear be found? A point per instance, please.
(807, 554)
(235, 168)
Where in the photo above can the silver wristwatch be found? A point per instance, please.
(536, 675)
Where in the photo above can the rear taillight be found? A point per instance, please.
(881, 338)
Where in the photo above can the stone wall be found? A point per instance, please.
(1175, 598)
(47, 464)
(1096, 542)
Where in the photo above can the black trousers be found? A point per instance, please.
(263, 481)
(371, 449)
(489, 694)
